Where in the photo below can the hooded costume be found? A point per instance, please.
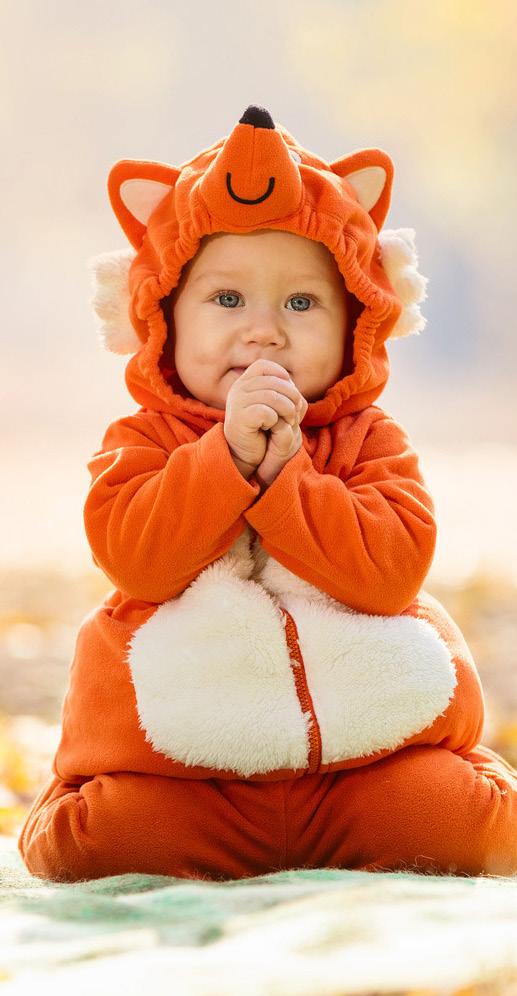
(263, 641)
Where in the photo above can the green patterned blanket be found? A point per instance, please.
(300, 932)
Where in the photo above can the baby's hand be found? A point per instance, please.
(261, 397)
(285, 440)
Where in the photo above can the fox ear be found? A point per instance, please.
(135, 189)
(370, 174)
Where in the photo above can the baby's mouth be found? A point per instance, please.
(241, 370)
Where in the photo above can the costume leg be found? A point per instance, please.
(128, 822)
(422, 808)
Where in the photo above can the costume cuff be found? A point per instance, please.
(216, 461)
(277, 501)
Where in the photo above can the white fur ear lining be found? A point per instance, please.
(368, 184)
(110, 281)
(141, 197)
(400, 261)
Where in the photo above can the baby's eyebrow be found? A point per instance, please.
(215, 274)
(220, 275)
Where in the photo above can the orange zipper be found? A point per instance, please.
(302, 688)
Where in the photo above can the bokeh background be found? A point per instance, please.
(82, 85)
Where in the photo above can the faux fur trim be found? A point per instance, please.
(400, 262)
(375, 681)
(214, 682)
(110, 279)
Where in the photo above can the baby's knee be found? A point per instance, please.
(52, 843)
(114, 824)
(442, 784)
(444, 796)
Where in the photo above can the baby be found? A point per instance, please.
(268, 686)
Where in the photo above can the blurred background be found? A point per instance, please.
(435, 85)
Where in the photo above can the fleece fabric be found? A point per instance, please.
(257, 637)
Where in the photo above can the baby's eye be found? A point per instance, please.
(301, 302)
(227, 298)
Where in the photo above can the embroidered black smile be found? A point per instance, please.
(244, 200)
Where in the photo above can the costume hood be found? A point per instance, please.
(257, 177)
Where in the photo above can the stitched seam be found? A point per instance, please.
(286, 843)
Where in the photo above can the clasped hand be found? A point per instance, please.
(264, 409)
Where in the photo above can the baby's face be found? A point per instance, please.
(261, 295)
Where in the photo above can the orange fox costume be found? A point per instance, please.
(268, 686)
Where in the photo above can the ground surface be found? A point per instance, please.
(303, 932)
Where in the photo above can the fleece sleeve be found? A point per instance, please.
(157, 513)
(368, 540)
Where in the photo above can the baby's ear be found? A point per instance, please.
(370, 174)
(135, 189)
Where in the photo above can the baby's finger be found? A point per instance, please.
(266, 367)
(301, 408)
(283, 429)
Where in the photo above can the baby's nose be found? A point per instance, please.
(266, 328)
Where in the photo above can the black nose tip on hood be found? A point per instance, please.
(257, 116)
